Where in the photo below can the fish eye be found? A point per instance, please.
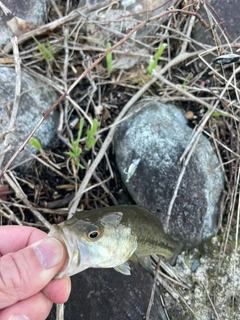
(94, 234)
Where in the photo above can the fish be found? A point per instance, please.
(109, 237)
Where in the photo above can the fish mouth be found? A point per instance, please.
(71, 243)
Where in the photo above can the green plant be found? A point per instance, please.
(35, 144)
(154, 60)
(46, 51)
(76, 152)
(183, 86)
(218, 113)
(90, 141)
(109, 58)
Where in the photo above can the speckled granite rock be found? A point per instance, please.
(107, 294)
(35, 99)
(156, 136)
(30, 10)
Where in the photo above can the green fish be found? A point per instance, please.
(109, 237)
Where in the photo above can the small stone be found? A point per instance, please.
(189, 115)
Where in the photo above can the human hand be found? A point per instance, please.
(28, 262)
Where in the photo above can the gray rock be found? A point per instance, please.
(228, 12)
(157, 136)
(35, 99)
(114, 27)
(107, 294)
(134, 12)
(30, 10)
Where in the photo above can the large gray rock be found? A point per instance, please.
(107, 294)
(32, 11)
(157, 136)
(35, 99)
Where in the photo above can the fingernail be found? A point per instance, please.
(49, 253)
(19, 317)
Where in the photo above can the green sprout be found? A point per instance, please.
(218, 113)
(153, 61)
(90, 142)
(109, 58)
(46, 51)
(76, 152)
(35, 144)
(183, 86)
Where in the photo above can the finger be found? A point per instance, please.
(28, 271)
(14, 238)
(36, 307)
(58, 290)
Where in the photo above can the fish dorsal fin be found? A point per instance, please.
(123, 268)
(146, 263)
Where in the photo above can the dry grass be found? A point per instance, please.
(54, 187)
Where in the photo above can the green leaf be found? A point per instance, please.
(219, 114)
(75, 145)
(81, 124)
(160, 51)
(150, 65)
(75, 154)
(109, 58)
(185, 81)
(90, 133)
(35, 143)
(79, 164)
(46, 51)
(70, 153)
(154, 61)
(91, 143)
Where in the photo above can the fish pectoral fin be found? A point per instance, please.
(123, 268)
(173, 259)
(134, 258)
(145, 262)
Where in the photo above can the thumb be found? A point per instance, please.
(28, 271)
